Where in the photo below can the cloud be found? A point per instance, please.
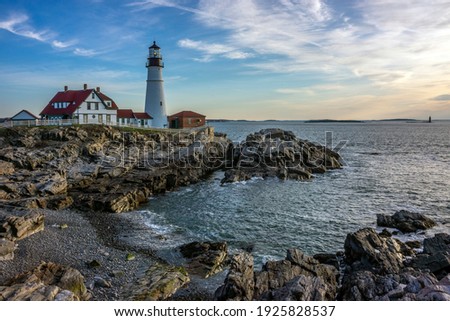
(85, 52)
(209, 50)
(63, 45)
(16, 24)
(442, 98)
(391, 43)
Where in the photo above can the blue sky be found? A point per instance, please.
(277, 59)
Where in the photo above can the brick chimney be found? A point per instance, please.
(98, 89)
(66, 88)
(85, 86)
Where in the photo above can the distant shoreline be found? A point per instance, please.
(412, 120)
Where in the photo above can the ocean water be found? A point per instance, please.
(388, 166)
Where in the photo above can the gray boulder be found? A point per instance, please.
(405, 221)
(205, 258)
(239, 284)
(366, 250)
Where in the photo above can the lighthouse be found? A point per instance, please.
(155, 104)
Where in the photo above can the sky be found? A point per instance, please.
(234, 59)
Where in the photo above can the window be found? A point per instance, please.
(100, 118)
(160, 103)
(189, 121)
(108, 119)
(85, 119)
(109, 103)
(89, 106)
(93, 95)
(96, 106)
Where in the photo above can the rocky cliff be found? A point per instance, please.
(102, 168)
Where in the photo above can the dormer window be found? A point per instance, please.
(93, 95)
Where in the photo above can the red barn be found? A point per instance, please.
(186, 119)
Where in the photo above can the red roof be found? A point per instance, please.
(75, 98)
(142, 116)
(125, 113)
(187, 113)
(106, 98)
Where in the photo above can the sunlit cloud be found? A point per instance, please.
(209, 50)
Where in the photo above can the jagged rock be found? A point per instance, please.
(304, 288)
(59, 202)
(328, 258)
(365, 249)
(205, 258)
(436, 292)
(276, 274)
(437, 244)
(108, 169)
(405, 221)
(19, 227)
(7, 248)
(414, 244)
(126, 200)
(235, 175)
(48, 282)
(239, 284)
(160, 282)
(368, 286)
(6, 168)
(53, 184)
(298, 276)
(278, 153)
(435, 256)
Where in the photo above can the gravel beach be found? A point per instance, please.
(70, 238)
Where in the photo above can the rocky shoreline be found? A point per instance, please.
(61, 190)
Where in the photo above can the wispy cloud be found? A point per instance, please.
(17, 24)
(209, 50)
(389, 42)
(63, 45)
(85, 52)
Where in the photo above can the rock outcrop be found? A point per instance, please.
(279, 153)
(383, 268)
(365, 249)
(18, 227)
(204, 258)
(405, 221)
(240, 282)
(159, 282)
(297, 277)
(102, 168)
(47, 282)
(7, 248)
(435, 256)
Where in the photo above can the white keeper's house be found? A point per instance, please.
(87, 106)
(90, 106)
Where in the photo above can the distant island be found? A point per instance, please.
(400, 119)
(333, 121)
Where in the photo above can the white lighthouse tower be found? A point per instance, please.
(155, 104)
